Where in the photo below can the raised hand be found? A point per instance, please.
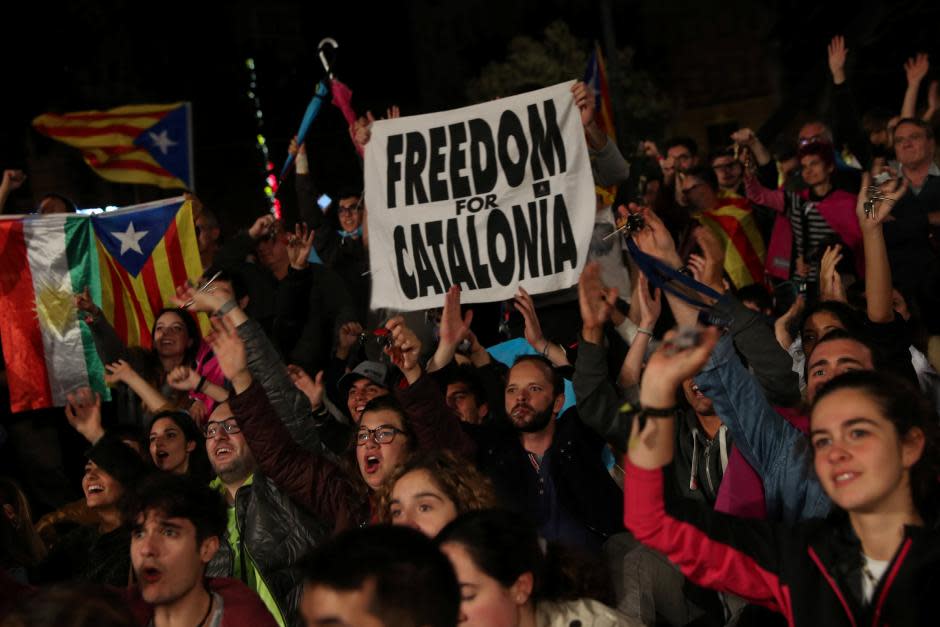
(392, 112)
(650, 304)
(454, 328)
(296, 150)
(837, 55)
(349, 334)
(916, 68)
(183, 378)
(83, 302)
(784, 322)
(830, 282)
(710, 265)
(262, 226)
(533, 328)
(650, 149)
(208, 300)
(299, 245)
(744, 137)
(585, 101)
(313, 389)
(879, 210)
(670, 365)
(13, 179)
(405, 348)
(654, 239)
(119, 372)
(361, 129)
(595, 299)
(83, 411)
(229, 350)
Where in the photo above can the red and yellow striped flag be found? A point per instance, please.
(144, 252)
(735, 227)
(149, 144)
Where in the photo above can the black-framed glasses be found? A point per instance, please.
(383, 434)
(229, 425)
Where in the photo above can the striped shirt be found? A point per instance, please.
(819, 229)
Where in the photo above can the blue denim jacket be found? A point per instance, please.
(777, 450)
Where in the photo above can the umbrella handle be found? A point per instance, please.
(321, 52)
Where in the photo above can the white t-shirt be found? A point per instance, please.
(872, 573)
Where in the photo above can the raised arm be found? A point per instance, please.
(533, 331)
(121, 371)
(711, 549)
(454, 329)
(915, 69)
(435, 425)
(265, 364)
(650, 307)
(311, 480)
(878, 288)
(595, 396)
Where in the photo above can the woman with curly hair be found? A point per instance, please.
(431, 489)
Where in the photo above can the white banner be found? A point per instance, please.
(488, 197)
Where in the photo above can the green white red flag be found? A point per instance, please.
(44, 261)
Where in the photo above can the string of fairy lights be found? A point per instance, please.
(270, 179)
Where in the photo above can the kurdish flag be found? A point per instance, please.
(149, 144)
(44, 260)
(130, 260)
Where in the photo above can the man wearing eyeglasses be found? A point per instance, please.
(915, 267)
(261, 550)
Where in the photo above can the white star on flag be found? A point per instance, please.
(161, 140)
(130, 239)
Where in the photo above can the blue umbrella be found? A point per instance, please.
(312, 110)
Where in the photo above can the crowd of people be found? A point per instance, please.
(757, 445)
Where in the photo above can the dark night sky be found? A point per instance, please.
(83, 54)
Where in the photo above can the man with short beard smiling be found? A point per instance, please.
(261, 551)
(546, 465)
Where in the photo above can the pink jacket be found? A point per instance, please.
(207, 366)
(837, 209)
(741, 492)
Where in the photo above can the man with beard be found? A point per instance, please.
(548, 466)
(261, 550)
(703, 446)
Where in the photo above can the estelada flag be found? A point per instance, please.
(144, 253)
(149, 144)
(595, 77)
(130, 260)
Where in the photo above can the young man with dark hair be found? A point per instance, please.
(377, 576)
(177, 527)
(465, 395)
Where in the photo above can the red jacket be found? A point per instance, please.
(809, 572)
(241, 606)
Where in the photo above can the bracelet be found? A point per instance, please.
(226, 307)
(545, 349)
(648, 332)
(202, 382)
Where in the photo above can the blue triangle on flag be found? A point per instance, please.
(167, 141)
(130, 237)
